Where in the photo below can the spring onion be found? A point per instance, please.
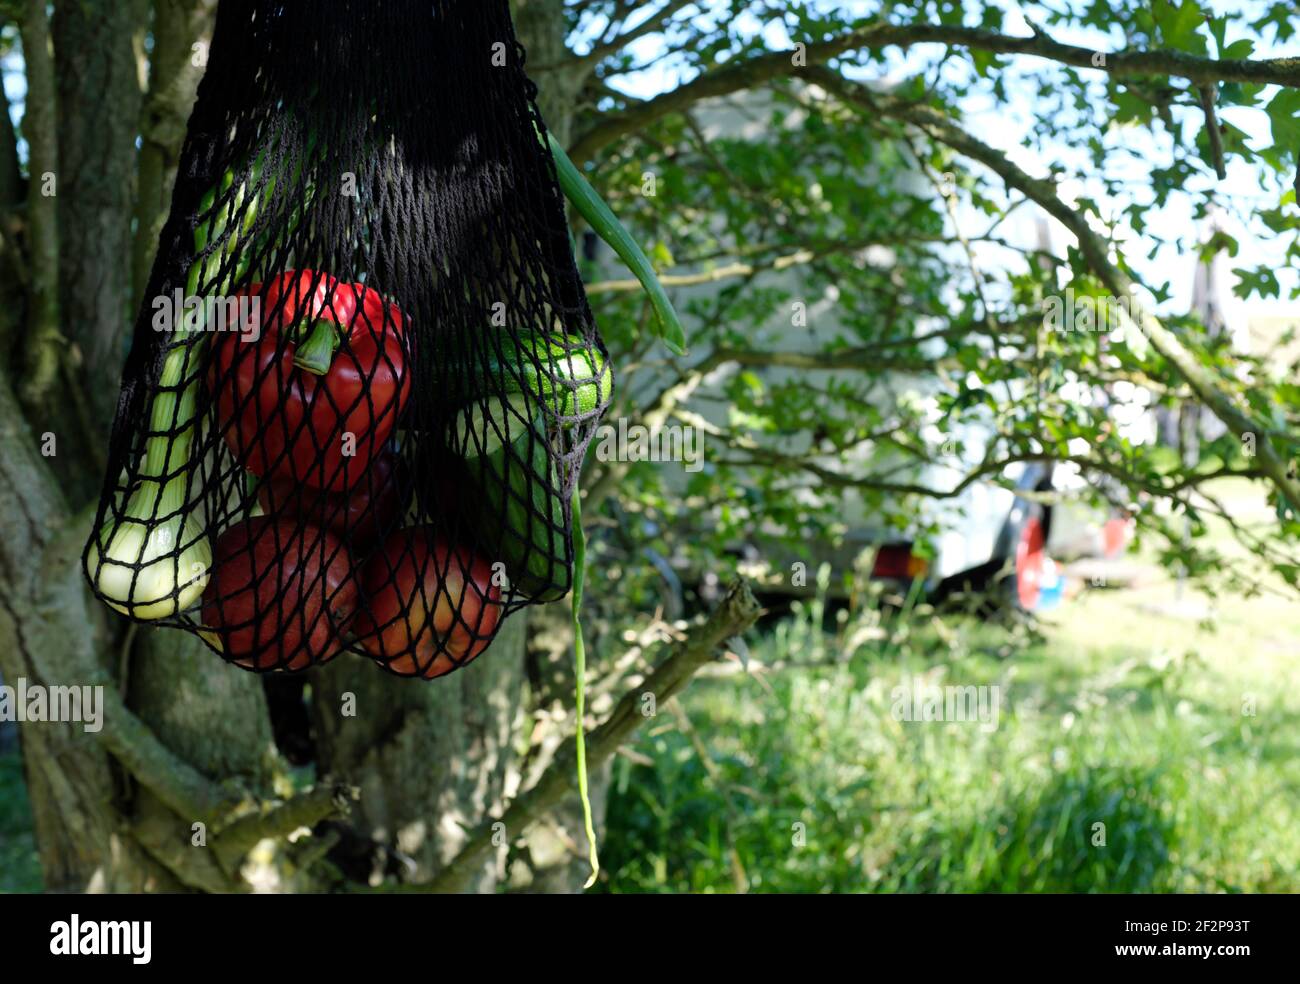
(606, 225)
(580, 686)
(151, 560)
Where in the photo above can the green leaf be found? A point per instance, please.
(1284, 117)
(984, 60)
(1178, 24)
(1239, 49)
(752, 382)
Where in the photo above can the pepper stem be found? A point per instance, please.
(315, 352)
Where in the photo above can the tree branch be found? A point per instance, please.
(1207, 95)
(867, 357)
(655, 22)
(706, 276)
(128, 739)
(800, 257)
(173, 81)
(178, 784)
(325, 799)
(750, 72)
(168, 839)
(663, 406)
(1122, 64)
(989, 468)
(13, 266)
(43, 349)
(1095, 250)
(737, 611)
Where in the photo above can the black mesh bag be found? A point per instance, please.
(365, 373)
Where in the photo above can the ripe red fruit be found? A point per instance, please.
(274, 586)
(360, 516)
(431, 608)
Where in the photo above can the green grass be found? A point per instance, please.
(1118, 715)
(20, 870)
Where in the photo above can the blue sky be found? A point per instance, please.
(1008, 127)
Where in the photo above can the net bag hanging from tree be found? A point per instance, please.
(365, 373)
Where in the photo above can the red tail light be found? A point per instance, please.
(897, 561)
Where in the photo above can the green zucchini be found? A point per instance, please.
(514, 507)
(564, 380)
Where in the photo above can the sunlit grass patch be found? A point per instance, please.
(1128, 756)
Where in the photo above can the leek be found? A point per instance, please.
(151, 561)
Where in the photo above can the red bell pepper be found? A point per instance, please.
(429, 608)
(317, 394)
(276, 588)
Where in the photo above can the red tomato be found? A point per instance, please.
(431, 608)
(360, 516)
(273, 587)
(317, 422)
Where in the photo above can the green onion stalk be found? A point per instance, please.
(566, 398)
(580, 686)
(669, 329)
(606, 225)
(151, 561)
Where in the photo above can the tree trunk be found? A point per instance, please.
(98, 51)
(432, 759)
(49, 636)
(41, 341)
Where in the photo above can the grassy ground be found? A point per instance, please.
(1178, 733)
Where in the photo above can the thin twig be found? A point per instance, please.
(1208, 95)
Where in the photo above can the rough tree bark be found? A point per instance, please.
(97, 61)
(432, 760)
(70, 779)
